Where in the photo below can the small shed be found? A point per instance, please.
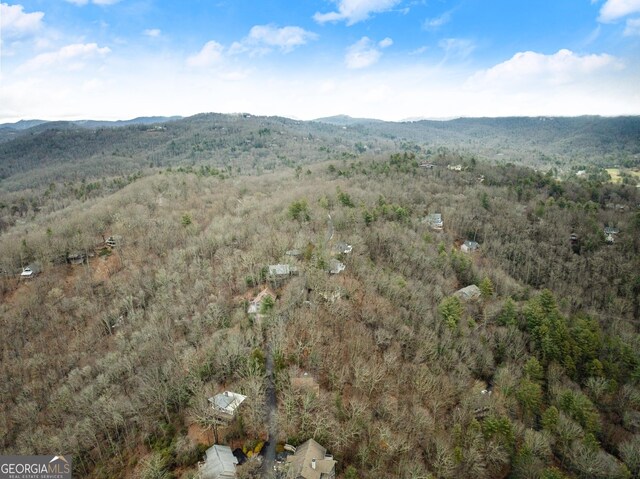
(220, 463)
(468, 293)
(469, 246)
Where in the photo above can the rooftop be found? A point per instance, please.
(336, 266)
(220, 463)
(310, 461)
(227, 402)
(468, 292)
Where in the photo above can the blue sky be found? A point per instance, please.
(388, 59)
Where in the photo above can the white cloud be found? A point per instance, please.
(613, 10)
(526, 69)
(152, 32)
(437, 22)
(354, 11)
(419, 50)
(456, 48)
(70, 56)
(15, 23)
(365, 53)
(211, 53)
(633, 27)
(285, 38)
(404, 91)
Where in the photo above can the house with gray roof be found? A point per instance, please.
(281, 271)
(468, 293)
(311, 461)
(220, 463)
(336, 266)
(226, 403)
(342, 248)
(469, 246)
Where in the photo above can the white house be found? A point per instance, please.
(226, 403)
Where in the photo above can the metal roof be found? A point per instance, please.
(220, 464)
(279, 269)
(227, 402)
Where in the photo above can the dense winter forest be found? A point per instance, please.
(536, 375)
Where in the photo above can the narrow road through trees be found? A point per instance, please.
(271, 403)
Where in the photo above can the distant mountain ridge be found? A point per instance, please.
(56, 151)
(9, 131)
(346, 120)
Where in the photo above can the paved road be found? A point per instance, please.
(329, 228)
(272, 409)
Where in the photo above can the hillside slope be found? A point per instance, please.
(114, 360)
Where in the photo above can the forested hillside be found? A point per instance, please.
(112, 360)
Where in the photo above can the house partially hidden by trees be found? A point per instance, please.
(76, 257)
(609, 233)
(226, 403)
(304, 382)
(311, 461)
(220, 463)
(30, 271)
(434, 221)
(468, 293)
(262, 302)
(469, 246)
(113, 241)
(281, 271)
(342, 248)
(336, 266)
